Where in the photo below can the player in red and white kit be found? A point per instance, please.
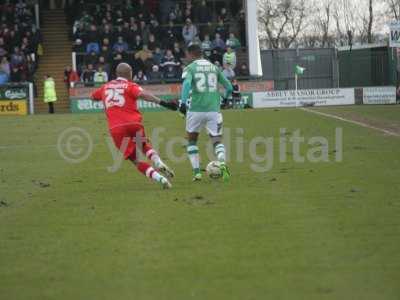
(120, 98)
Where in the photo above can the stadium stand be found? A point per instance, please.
(20, 42)
(152, 37)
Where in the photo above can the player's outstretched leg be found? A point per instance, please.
(194, 157)
(221, 156)
(152, 155)
(151, 173)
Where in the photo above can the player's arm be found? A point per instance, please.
(97, 95)
(149, 97)
(186, 88)
(226, 84)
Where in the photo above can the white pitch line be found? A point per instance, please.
(365, 125)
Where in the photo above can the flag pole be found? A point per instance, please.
(296, 77)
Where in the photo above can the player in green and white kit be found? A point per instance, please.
(201, 78)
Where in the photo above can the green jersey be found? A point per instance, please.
(204, 78)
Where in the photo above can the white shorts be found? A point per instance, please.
(212, 121)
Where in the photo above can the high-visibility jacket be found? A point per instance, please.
(50, 94)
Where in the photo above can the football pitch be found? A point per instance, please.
(82, 227)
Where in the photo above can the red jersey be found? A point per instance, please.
(120, 98)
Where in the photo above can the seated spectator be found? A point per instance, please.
(120, 46)
(17, 58)
(158, 56)
(140, 77)
(67, 73)
(229, 58)
(224, 15)
(143, 56)
(216, 56)
(100, 76)
(107, 33)
(5, 66)
(138, 44)
(218, 64)
(102, 63)
(178, 53)
(233, 42)
(170, 73)
(170, 35)
(169, 60)
(92, 38)
(78, 46)
(221, 29)
(3, 47)
(106, 53)
(218, 43)
(203, 13)
(155, 74)
(243, 70)
(206, 46)
(116, 61)
(189, 32)
(229, 72)
(88, 75)
(4, 77)
(153, 44)
(91, 59)
(26, 47)
(16, 75)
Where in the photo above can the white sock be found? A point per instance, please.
(153, 174)
(194, 157)
(154, 157)
(220, 152)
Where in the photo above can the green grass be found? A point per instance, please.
(300, 231)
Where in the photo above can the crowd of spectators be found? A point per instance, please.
(19, 42)
(153, 35)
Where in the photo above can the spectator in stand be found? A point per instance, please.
(92, 38)
(120, 46)
(78, 46)
(107, 33)
(229, 58)
(88, 75)
(221, 29)
(229, 72)
(203, 14)
(218, 64)
(216, 56)
(189, 32)
(116, 61)
(206, 46)
(67, 74)
(242, 27)
(155, 74)
(17, 58)
(91, 59)
(5, 66)
(138, 44)
(233, 42)
(3, 48)
(218, 43)
(144, 31)
(140, 77)
(4, 77)
(50, 96)
(155, 29)
(178, 53)
(153, 44)
(100, 76)
(170, 73)
(16, 74)
(169, 60)
(224, 15)
(30, 69)
(170, 35)
(143, 56)
(158, 56)
(102, 63)
(243, 70)
(106, 53)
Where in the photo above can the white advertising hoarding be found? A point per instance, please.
(379, 95)
(317, 97)
(394, 39)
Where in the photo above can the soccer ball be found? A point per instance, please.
(214, 170)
